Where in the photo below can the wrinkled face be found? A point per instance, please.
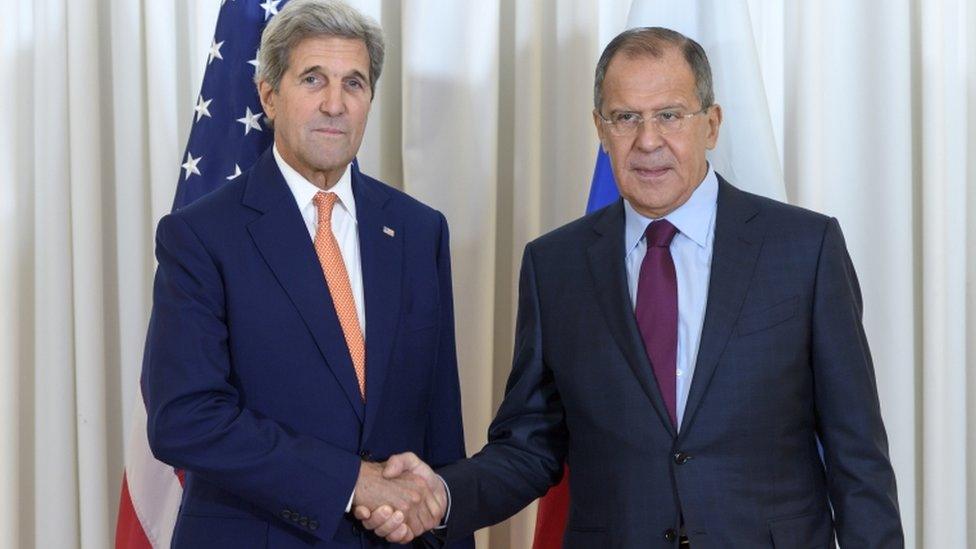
(320, 108)
(656, 173)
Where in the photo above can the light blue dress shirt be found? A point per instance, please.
(691, 250)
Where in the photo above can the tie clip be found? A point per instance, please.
(388, 231)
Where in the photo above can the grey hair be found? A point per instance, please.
(655, 41)
(301, 19)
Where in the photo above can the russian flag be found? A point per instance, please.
(603, 188)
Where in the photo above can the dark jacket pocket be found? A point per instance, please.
(767, 318)
(810, 531)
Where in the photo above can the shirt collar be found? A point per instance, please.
(304, 191)
(693, 218)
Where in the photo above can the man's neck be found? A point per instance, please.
(323, 179)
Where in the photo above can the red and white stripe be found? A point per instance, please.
(151, 493)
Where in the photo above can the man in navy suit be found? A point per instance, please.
(687, 350)
(302, 326)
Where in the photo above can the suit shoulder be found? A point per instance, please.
(781, 214)
(215, 203)
(216, 218)
(572, 233)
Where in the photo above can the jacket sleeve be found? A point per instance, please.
(526, 441)
(855, 446)
(195, 421)
(444, 440)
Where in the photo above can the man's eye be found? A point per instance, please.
(354, 84)
(626, 118)
(668, 116)
(310, 79)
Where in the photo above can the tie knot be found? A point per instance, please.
(324, 202)
(660, 233)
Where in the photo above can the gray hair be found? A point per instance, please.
(655, 41)
(301, 19)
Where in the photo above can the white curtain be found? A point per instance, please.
(483, 112)
(877, 102)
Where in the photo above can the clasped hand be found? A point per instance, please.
(399, 500)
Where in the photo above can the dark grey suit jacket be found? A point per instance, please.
(783, 363)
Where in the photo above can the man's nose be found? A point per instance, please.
(648, 137)
(333, 103)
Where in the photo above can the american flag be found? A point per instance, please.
(228, 134)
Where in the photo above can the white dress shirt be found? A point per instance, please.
(691, 250)
(344, 225)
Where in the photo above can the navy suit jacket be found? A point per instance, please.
(247, 379)
(783, 362)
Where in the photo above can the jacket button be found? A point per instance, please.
(670, 534)
(303, 521)
(313, 525)
(285, 514)
(366, 455)
(681, 458)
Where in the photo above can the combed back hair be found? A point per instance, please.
(655, 42)
(301, 19)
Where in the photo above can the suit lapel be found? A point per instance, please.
(381, 237)
(282, 239)
(739, 233)
(606, 261)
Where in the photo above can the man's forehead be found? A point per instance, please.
(670, 63)
(654, 82)
(320, 50)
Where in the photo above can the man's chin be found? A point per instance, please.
(331, 162)
(655, 205)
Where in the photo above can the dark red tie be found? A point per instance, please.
(657, 310)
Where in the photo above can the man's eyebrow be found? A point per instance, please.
(670, 107)
(359, 75)
(318, 68)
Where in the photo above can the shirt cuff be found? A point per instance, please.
(447, 514)
(351, 496)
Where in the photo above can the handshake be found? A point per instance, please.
(399, 500)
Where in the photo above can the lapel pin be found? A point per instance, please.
(388, 231)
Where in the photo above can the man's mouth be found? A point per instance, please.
(329, 131)
(650, 171)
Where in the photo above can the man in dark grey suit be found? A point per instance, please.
(688, 350)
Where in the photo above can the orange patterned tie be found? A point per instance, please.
(337, 278)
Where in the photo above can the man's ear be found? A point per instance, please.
(267, 95)
(714, 122)
(598, 122)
